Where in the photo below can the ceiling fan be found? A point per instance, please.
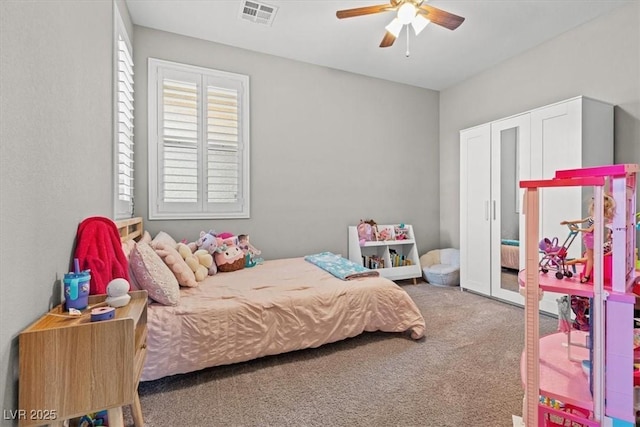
(414, 12)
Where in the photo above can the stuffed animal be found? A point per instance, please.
(385, 234)
(204, 258)
(212, 244)
(231, 259)
(228, 239)
(199, 263)
(177, 264)
(401, 232)
(367, 231)
(207, 241)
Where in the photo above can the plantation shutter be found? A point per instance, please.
(180, 142)
(198, 148)
(124, 129)
(223, 149)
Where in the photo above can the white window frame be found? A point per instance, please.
(122, 208)
(157, 69)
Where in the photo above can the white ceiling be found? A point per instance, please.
(308, 31)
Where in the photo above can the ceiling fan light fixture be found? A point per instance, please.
(394, 27)
(414, 12)
(419, 23)
(406, 13)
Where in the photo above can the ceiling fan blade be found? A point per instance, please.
(387, 40)
(440, 17)
(367, 10)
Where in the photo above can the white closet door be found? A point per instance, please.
(556, 140)
(510, 154)
(475, 209)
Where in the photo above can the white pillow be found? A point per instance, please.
(165, 239)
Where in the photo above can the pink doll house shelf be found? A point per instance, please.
(605, 396)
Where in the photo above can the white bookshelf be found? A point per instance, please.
(396, 259)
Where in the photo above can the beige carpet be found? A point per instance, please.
(464, 373)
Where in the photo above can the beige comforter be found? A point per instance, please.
(279, 306)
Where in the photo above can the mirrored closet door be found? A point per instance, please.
(510, 154)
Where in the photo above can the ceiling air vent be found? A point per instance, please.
(258, 12)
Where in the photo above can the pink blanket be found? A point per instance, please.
(279, 306)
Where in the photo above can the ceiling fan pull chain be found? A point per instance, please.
(407, 53)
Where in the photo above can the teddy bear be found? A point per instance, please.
(199, 261)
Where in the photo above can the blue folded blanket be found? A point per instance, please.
(340, 267)
(510, 242)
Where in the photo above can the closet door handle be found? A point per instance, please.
(494, 210)
(486, 210)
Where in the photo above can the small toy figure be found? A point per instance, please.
(401, 232)
(587, 233)
(385, 234)
(580, 307)
(564, 314)
(250, 252)
(246, 246)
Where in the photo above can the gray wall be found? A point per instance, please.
(600, 59)
(327, 149)
(55, 154)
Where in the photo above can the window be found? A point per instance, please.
(198, 142)
(123, 133)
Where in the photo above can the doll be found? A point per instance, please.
(250, 252)
(243, 242)
(564, 314)
(587, 233)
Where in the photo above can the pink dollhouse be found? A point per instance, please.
(604, 397)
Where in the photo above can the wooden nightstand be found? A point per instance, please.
(70, 366)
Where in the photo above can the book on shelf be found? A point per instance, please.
(398, 260)
(372, 261)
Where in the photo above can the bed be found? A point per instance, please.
(510, 254)
(275, 307)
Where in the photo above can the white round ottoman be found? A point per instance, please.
(441, 267)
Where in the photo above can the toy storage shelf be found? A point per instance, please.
(394, 259)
